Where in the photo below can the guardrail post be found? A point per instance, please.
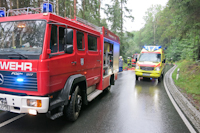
(177, 75)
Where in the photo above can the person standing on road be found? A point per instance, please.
(129, 61)
(120, 64)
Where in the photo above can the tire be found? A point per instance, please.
(160, 78)
(72, 110)
(136, 77)
(108, 88)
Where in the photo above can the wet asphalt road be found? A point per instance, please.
(130, 107)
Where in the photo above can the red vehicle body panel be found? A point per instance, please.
(134, 59)
(53, 72)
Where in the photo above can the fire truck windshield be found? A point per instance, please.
(22, 37)
(152, 57)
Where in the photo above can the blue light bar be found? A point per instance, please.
(146, 47)
(158, 47)
(2, 13)
(45, 7)
(20, 79)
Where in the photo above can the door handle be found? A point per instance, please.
(73, 63)
(99, 60)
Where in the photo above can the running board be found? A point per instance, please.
(94, 94)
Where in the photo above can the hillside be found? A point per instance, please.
(189, 80)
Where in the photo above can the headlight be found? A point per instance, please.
(34, 103)
(137, 67)
(157, 68)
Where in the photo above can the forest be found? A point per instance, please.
(176, 27)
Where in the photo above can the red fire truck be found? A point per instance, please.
(53, 65)
(135, 57)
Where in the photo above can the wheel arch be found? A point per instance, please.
(70, 85)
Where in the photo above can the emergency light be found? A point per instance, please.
(20, 79)
(158, 47)
(2, 13)
(47, 7)
(152, 48)
(146, 47)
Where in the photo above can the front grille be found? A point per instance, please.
(147, 68)
(29, 82)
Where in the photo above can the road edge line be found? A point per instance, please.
(11, 120)
(187, 123)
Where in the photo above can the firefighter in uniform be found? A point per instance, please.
(129, 61)
(120, 64)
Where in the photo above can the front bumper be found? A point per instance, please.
(18, 104)
(148, 74)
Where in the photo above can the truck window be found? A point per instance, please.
(61, 38)
(92, 43)
(23, 37)
(53, 41)
(80, 41)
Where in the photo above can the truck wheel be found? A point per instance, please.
(73, 109)
(160, 78)
(136, 77)
(108, 88)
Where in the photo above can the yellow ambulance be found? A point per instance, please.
(151, 63)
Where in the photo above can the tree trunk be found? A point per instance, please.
(121, 30)
(83, 6)
(154, 32)
(57, 7)
(99, 13)
(65, 9)
(74, 9)
(17, 4)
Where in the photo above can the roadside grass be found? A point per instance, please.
(189, 78)
(126, 65)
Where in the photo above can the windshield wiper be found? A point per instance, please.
(16, 53)
(21, 55)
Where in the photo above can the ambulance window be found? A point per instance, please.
(61, 38)
(92, 43)
(53, 41)
(80, 41)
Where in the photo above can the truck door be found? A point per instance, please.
(61, 64)
(93, 60)
(81, 52)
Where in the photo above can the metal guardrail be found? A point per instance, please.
(189, 110)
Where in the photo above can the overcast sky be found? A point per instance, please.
(139, 7)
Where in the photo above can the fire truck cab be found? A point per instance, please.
(151, 63)
(135, 57)
(53, 65)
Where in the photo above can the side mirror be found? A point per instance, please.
(68, 49)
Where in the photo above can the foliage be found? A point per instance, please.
(176, 26)
(189, 77)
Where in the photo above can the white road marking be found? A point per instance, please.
(187, 123)
(11, 120)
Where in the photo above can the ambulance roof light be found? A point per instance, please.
(146, 48)
(152, 48)
(158, 47)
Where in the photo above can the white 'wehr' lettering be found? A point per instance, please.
(15, 66)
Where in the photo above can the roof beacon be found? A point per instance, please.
(2, 11)
(47, 7)
(152, 48)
